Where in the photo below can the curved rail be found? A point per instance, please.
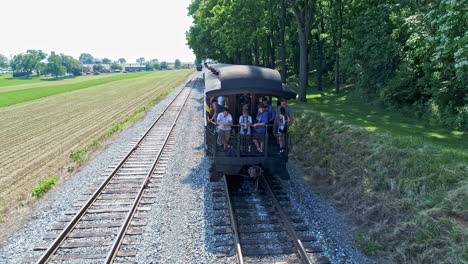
(52, 249)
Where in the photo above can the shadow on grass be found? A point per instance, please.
(376, 119)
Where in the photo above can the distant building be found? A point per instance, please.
(135, 68)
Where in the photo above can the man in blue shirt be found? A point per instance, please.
(260, 127)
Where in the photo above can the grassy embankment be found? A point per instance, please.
(12, 97)
(38, 136)
(402, 183)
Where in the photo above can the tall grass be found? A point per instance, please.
(407, 197)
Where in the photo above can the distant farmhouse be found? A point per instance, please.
(135, 68)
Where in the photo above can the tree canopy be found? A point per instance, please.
(3, 61)
(86, 58)
(401, 54)
(140, 60)
(24, 64)
(177, 64)
(106, 60)
(55, 66)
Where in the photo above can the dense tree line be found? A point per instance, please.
(405, 54)
(25, 64)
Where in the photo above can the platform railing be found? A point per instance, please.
(243, 145)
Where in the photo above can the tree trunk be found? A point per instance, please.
(282, 44)
(320, 65)
(303, 16)
(320, 51)
(271, 56)
(302, 66)
(337, 72)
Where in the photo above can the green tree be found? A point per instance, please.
(304, 13)
(400, 54)
(155, 64)
(72, 65)
(3, 61)
(55, 66)
(86, 58)
(177, 64)
(122, 61)
(140, 60)
(34, 58)
(98, 68)
(163, 65)
(26, 63)
(116, 66)
(106, 61)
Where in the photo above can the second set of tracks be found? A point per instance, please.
(106, 220)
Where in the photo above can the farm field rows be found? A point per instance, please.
(12, 97)
(36, 137)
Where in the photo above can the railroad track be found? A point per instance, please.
(262, 224)
(105, 223)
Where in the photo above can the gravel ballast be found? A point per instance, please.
(180, 223)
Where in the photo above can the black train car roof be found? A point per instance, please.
(238, 79)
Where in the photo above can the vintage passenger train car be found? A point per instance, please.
(241, 89)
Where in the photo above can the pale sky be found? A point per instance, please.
(153, 29)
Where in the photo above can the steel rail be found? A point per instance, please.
(287, 223)
(239, 256)
(72, 224)
(123, 229)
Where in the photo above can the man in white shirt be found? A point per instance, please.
(224, 122)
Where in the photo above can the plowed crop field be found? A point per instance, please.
(36, 137)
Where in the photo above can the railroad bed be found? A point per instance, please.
(260, 226)
(104, 227)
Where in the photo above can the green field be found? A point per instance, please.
(37, 137)
(7, 80)
(26, 94)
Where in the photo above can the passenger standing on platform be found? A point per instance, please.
(216, 108)
(287, 109)
(224, 122)
(245, 121)
(269, 109)
(260, 127)
(283, 121)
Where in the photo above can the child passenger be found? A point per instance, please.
(283, 122)
(245, 121)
